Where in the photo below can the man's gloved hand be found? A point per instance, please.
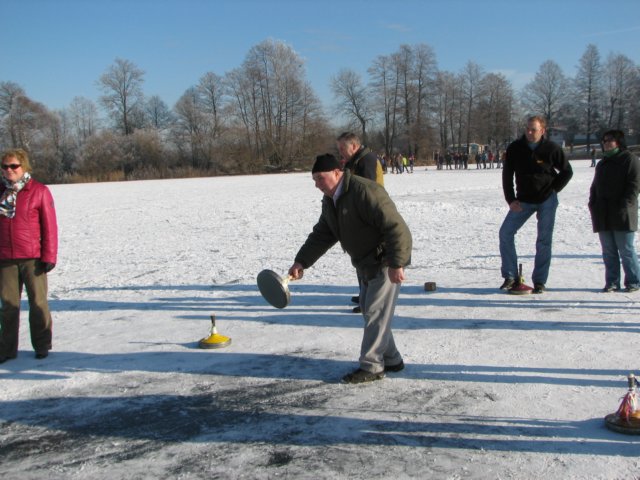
(47, 267)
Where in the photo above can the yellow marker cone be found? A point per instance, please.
(214, 340)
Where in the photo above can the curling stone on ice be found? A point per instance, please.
(430, 286)
(214, 340)
(627, 418)
(520, 288)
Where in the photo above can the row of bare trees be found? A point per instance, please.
(264, 115)
(407, 104)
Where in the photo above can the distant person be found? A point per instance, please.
(541, 171)
(593, 157)
(397, 160)
(28, 251)
(361, 161)
(613, 203)
(384, 161)
(359, 214)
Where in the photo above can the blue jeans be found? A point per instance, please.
(619, 246)
(546, 216)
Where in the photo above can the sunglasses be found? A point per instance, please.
(608, 139)
(13, 166)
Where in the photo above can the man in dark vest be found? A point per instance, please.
(361, 161)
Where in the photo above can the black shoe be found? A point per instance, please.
(394, 368)
(362, 376)
(539, 288)
(355, 299)
(356, 310)
(610, 288)
(4, 359)
(42, 354)
(508, 284)
(632, 288)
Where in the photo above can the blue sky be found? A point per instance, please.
(57, 49)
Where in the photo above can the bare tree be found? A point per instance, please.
(424, 71)
(471, 76)
(621, 75)
(10, 92)
(157, 113)
(546, 93)
(495, 105)
(272, 99)
(83, 116)
(352, 99)
(211, 90)
(403, 59)
(188, 129)
(385, 89)
(123, 97)
(442, 106)
(588, 91)
(29, 121)
(244, 110)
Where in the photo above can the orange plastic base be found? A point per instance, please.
(620, 425)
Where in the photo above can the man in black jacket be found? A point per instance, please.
(541, 171)
(361, 161)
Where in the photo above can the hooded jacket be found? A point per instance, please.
(33, 231)
(366, 223)
(613, 196)
(538, 173)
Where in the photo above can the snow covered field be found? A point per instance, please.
(496, 385)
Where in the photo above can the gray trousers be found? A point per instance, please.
(14, 274)
(378, 297)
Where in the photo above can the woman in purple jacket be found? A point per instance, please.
(28, 251)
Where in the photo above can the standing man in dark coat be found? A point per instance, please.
(359, 214)
(613, 203)
(361, 161)
(541, 171)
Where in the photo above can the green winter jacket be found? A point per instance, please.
(366, 223)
